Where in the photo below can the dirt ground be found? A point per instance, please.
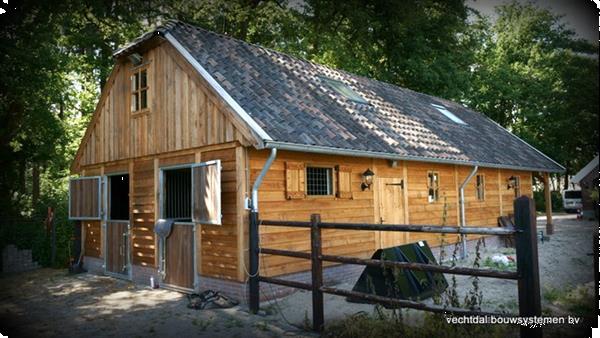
(52, 303)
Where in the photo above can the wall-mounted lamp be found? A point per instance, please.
(512, 182)
(367, 177)
(135, 58)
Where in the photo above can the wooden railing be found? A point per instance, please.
(527, 273)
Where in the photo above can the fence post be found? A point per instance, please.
(254, 296)
(317, 272)
(527, 263)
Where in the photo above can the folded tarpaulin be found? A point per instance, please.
(163, 227)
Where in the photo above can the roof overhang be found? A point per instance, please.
(389, 156)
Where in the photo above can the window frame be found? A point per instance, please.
(137, 70)
(331, 180)
(436, 195)
(517, 186)
(480, 187)
(161, 191)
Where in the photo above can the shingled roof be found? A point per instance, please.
(294, 105)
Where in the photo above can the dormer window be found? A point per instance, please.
(139, 90)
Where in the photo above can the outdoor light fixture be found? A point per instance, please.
(367, 177)
(512, 182)
(135, 58)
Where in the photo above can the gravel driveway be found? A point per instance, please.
(49, 302)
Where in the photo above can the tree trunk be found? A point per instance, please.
(35, 184)
(566, 177)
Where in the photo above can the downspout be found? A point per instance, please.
(463, 221)
(260, 178)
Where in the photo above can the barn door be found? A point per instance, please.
(117, 247)
(85, 199)
(391, 209)
(206, 192)
(179, 257)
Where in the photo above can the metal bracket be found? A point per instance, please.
(401, 184)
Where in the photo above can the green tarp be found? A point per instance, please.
(402, 283)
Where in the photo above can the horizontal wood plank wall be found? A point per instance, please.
(143, 211)
(219, 243)
(274, 205)
(93, 238)
(508, 195)
(420, 210)
(183, 113)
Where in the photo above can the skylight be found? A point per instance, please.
(342, 89)
(448, 114)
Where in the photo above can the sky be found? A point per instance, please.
(581, 16)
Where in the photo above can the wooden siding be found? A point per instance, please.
(143, 213)
(93, 238)
(274, 205)
(183, 113)
(365, 206)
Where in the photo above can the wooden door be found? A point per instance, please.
(179, 257)
(391, 209)
(117, 247)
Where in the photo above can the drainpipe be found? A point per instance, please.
(461, 201)
(259, 179)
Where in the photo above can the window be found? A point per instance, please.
(177, 199)
(480, 187)
(433, 186)
(342, 89)
(448, 114)
(119, 197)
(517, 186)
(318, 181)
(139, 90)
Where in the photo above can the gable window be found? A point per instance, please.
(344, 90)
(433, 186)
(480, 185)
(139, 90)
(319, 181)
(448, 114)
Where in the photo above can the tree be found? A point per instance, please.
(529, 75)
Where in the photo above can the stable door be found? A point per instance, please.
(117, 228)
(390, 193)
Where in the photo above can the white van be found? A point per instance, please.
(572, 200)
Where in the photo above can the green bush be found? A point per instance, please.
(540, 201)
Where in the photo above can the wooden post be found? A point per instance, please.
(548, 198)
(317, 272)
(527, 263)
(254, 296)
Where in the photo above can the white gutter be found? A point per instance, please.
(388, 156)
(262, 135)
(259, 179)
(463, 221)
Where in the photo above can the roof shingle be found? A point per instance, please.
(290, 99)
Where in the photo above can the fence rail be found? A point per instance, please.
(527, 274)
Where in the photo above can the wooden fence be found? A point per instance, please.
(527, 274)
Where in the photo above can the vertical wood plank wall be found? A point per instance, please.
(183, 113)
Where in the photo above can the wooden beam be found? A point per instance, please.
(548, 199)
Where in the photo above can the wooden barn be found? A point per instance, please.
(189, 119)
